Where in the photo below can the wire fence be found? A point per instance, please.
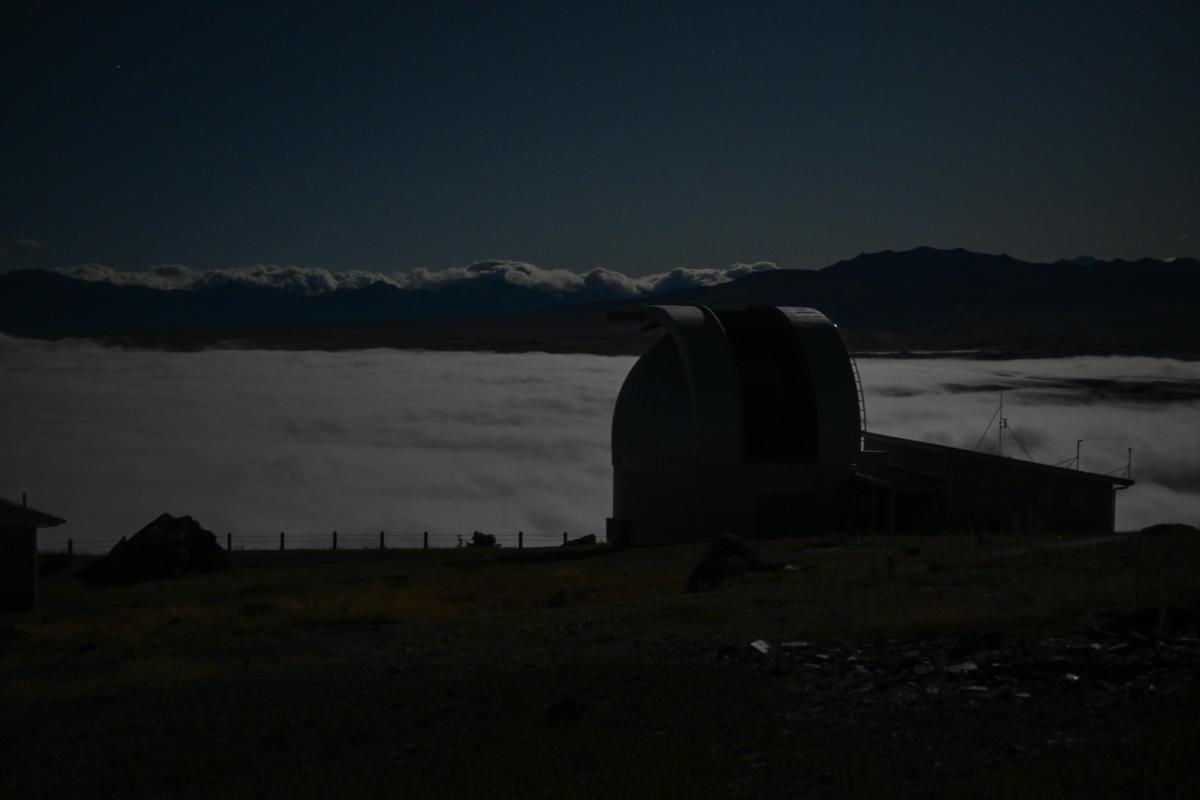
(339, 540)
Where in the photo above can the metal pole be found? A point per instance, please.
(520, 539)
(425, 544)
(281, 541)
(1077, 443)
(381, 547)
(1000, 429)
(229, 542)
(335, 540)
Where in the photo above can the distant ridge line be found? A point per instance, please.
(913, 300)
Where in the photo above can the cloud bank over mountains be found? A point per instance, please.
(317, 280)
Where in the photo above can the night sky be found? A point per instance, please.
(638, 139)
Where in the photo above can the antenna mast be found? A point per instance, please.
(1000, 428)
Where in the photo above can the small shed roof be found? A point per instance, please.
(16, 515)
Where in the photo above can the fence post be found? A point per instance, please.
(381, 547)
(281, 541)
(335, 540)
(229, 543)
(426, 542)
(564, 537)
(520, 539)
(70, 549)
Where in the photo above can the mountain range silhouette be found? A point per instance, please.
(917, 299)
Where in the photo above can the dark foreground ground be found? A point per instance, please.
(886, 668)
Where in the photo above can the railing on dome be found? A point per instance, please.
(862, 405)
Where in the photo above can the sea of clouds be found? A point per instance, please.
(255, 442)
(316, 280)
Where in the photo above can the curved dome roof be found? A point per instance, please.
(722, 388)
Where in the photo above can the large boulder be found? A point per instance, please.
(1169, 528)
(481, 539)
(728, 557)
(165, 548)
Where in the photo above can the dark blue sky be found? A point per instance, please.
(639, 139)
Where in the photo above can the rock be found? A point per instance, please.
(589, 539)
(11, 637)
(1168, 527)
(481, 539)
(728, 557)
(971, 644)
(1154, 622)
(53, 562)
(564, 713)
(165, 548)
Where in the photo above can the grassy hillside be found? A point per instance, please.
(937, 667)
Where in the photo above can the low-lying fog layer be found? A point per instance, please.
(260, 442)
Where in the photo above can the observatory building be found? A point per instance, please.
(751, 422)
(734, 421)
(18, 553)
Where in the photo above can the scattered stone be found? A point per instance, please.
(761, 646)
(165, 548)
(1156, 622)
(971, 644)
(964, 667)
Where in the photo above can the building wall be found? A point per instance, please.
(994, 494)
(748, 500)
(18, 569)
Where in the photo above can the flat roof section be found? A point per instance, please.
(882, 440)
(16, 515)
